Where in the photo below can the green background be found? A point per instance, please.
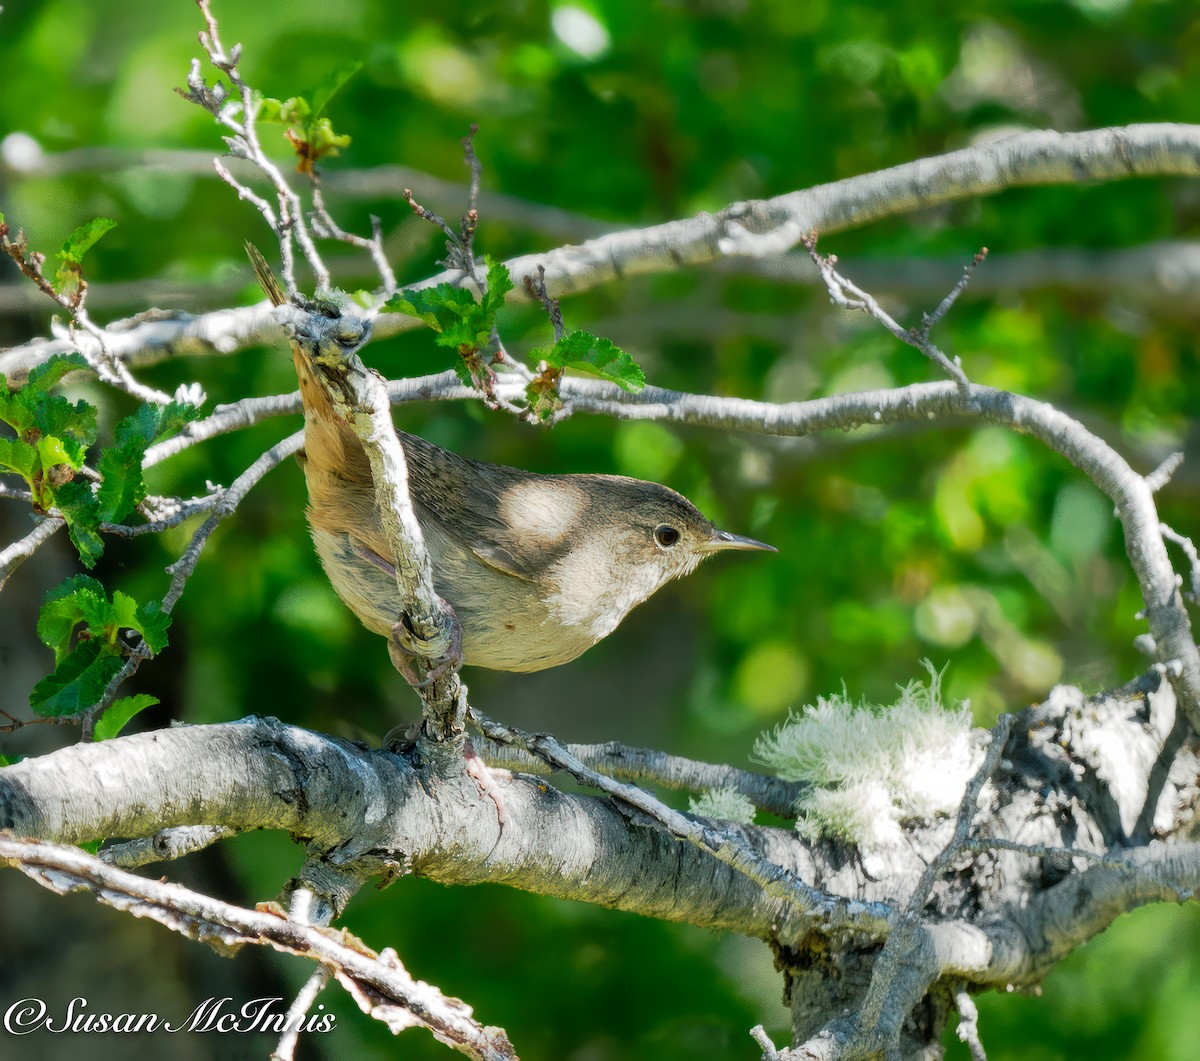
(970, 547)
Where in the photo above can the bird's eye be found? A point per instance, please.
(666, 536)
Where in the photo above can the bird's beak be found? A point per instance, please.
(721, 540)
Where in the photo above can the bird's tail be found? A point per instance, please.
(332, 452)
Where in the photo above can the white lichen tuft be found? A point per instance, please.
(726, 803)
(871, 768)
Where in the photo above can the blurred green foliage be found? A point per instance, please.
(968, 546)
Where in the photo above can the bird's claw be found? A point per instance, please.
(405, 645)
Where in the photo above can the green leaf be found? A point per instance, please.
(50, 372)
(152, 624)
(79, 599)
(19, 456)
(81, 510)
(82, 599)
(55, 415)
(4, 759)
(147, 619)
(77, 682)
(499, 284)
(70, 258)
(120, 465)
(119, 714)
(91, 847)
(13, 410)
(53, 450)
(84, 238)
(600, 357)
(436, 306)
(292, 111)
(121, 485)
(33, 405)
(331, 85)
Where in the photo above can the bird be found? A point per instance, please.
(537, 568)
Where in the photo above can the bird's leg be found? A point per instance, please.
(405, 643)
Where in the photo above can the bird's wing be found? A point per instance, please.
(447, 490)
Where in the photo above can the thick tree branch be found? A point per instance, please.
(365, 807)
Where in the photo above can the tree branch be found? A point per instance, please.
(749, 228)
(395, 997)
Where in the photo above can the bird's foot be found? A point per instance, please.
(406, 646)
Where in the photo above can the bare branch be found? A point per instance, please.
(968, 1025)
(241, 118)
(1189, 549)
(773, 879)
(164, 846)
(846, 294)
(646, 765)
(12, 556)
(1023, 160)
(199, 917)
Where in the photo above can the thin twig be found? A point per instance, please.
(12, 556)
(285, 1049)
(968, 1024)
(1188, 546)
(844, 293)
(721, 843)
(645, 765)
(108, 368)
(165, 845)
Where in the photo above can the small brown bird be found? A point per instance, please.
(537, 568)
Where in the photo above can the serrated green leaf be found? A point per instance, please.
(119, 714)
(585, 352)
(77, 682)
(17, 455)
(153, 423)
(153, 623)
(90, 847)
(436, 306)
(123, 616)
(172, 418)
(50, 372)
(33, 406)
(400, 303)
(78, 599)
(121, 483)
(55, 415)
(13, 411)
(122, 486)
(81, 510)
(70, 258)
(499, 284)
(84, 238)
